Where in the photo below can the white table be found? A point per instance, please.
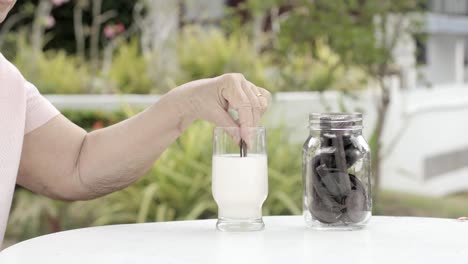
(285, 240)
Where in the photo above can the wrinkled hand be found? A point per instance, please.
(210, 99)
(463, 218)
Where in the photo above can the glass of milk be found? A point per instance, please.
(240, 183)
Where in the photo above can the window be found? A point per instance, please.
(421, 48)
(453, 7)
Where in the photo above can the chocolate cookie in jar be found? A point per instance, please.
(336, 173)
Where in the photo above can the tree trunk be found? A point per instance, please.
(38, 28)
(159, 35)
(78, 28)
(258, 19)
(95, 34)
(9, 24)
(377, 155)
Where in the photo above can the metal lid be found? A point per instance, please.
(335, 121)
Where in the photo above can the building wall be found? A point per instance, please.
(445, 58)
(428, 156)
(453, 7)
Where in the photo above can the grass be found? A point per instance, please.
(404, 204)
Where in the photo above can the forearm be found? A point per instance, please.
(62, 161)
(112, 158)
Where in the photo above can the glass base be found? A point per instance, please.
(240, 225)
(339, 226)
(330, 227)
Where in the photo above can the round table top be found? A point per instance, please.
(286, 239)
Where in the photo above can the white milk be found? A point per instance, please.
(240, 185)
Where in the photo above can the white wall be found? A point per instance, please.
(445, 59)
(440, 53)
(433, 122)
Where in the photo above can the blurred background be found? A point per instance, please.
(403, 63)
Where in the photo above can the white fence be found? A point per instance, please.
(425, 138)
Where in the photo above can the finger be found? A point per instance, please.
(233, 93)
(221, 118)
(265, 99)
(252, 93)
(258, 93)
(246, 122)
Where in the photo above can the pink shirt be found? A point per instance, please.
(22, 109)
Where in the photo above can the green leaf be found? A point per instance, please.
(148, 198)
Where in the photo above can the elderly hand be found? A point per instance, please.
(210, 99)
(463, 218)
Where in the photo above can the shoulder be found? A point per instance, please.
(11, 79)
(8, 69)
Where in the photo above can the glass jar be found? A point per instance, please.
(336, 173)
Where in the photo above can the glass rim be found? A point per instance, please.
(259, 128)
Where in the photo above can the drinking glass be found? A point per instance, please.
(240, 177)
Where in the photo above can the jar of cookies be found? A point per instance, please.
(336, 173)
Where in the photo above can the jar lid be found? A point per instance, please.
(335, 121)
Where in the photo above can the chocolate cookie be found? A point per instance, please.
(352, 155)
(331, 146)
(335, 182)
(357, 205)
(332, 200)
(324, 208)
(328, 195)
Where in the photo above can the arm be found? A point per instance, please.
(61, 160)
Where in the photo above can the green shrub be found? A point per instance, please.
(90, 119)
(207, 53)
(53, 71)
(317, 72)
(129, 70)
(201, 53)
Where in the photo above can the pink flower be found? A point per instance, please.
(111, 31)
(97, 125)
(120, 28)
(49, 21)
(59, 2)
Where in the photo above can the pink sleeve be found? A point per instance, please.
(38, 110)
